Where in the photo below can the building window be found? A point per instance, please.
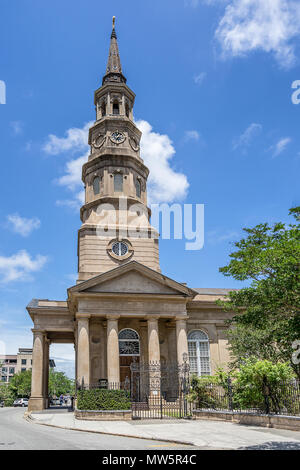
(23, 369)
(119, 248)
(199, 358)
(103, 109)
(118, 183)
(96, 185)
(4, 369)
(24, 362)
(129, 343)
(127, 110)
(116, 109)
(138, 188)
(3, 378)
(11, 370)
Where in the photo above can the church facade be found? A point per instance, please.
(122, 308)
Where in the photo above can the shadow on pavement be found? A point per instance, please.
(273, 445)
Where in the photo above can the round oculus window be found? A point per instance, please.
(119, 249)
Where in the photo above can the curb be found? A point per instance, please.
(29, 419)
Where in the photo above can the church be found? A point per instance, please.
(123, 309)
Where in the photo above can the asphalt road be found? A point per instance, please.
(18, 434)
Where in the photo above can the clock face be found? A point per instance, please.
(117, 137)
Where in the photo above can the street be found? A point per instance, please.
(18, 434)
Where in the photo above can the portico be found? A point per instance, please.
(132, 297)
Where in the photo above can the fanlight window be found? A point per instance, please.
(96, 185)
(198, 345)
(138, 188)
(118, 182)
(129, 343)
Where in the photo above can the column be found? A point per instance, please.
(37, 398)
(153, 340)
(46, 371)
(108, 105)
(83, 349)
(113, 360)
(182, 343)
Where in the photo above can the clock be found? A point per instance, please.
(117, 137)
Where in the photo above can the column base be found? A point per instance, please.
(37, 404)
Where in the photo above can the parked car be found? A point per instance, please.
(21, 402)
(1, 404)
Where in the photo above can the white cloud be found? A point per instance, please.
(198, 79)
(17, 127)
(280, 146)
(217, 236)
(191, 135)
(75, 140)
(22, 225)
(164, 184)
(74, 203)
(267, 25)
(247, 136)
(19, 266)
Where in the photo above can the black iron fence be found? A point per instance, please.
(281, 398)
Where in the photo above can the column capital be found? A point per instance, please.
(112, 317)
(181, 318)
(37, 331)
(82, 316)
(152, 317)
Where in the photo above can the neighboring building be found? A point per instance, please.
(123, 309)
(14, 363)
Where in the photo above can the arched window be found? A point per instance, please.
(118, 183)
(129, 343)
(138, 188)
(198, 345)
(103, 109)
(96, 185)
(116, 109)
(127, 110)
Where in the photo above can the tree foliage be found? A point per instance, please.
(60, 384)
(20, 384)
(266, 318)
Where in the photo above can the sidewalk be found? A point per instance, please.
(201, 433)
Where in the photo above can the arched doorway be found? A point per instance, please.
(129, 351)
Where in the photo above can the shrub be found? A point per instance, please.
(99, 399)
(256, 379)
(206, 392)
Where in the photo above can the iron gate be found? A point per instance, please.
(159, 391)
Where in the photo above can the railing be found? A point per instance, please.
(104, 384)
(282, 398)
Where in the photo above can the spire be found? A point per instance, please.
(114, 69)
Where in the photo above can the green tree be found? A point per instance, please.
(255, 380)
(20, 384)
(6, 395)
(60, 384)
(266, 318)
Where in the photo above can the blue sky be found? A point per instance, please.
(213, 83)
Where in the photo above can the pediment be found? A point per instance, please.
(132, 282)
(133, 278)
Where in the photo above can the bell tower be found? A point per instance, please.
(115, 217)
